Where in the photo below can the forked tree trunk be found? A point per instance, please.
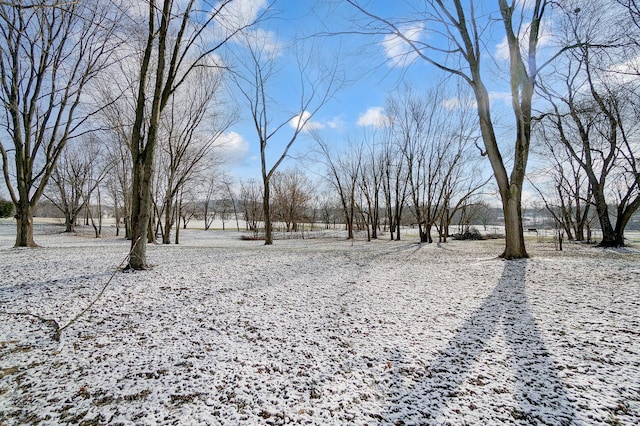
(24, 228)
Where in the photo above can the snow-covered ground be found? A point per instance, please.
(322, 331)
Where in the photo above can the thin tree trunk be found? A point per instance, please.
(178, 213)
(268, 237)
(166, 231)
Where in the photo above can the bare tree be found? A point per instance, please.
(595, 117)
(418, 129)
(251, 203)
(465, 28)
(49, 53)
(187, 139)
(98, 170)
(291, 194)
(315, 86)
(344, 171)
(210, 188)
(562, 184)
(180, 44)
(69, 178)
(370, 186)
(395, 183)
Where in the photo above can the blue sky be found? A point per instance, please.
(372, 66)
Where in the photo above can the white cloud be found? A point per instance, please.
(502, 50)
(336, 123)
(501, 96)
(374, 116)
(239, 13)
(399, 52)
(303, 122)
(234, 148)
(624, 72)
(262, 41)
(457, 103)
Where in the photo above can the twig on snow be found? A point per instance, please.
(54, 324)
(50, 322)
(59, 330)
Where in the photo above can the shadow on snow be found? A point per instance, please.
(537, 390)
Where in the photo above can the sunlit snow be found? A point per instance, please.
(317, 331)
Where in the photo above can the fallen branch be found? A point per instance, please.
(59, 330)
(50, 322)
(54, 324)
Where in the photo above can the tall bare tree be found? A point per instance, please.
(253, 81)
(49, 53)
(251, 198)
(465, 27)
(395, 183)
(419, 132)
(370, 185)
(562, 183)
(594, 114)
(189, 134)
(344, 171)
(180, 38)
(74, 178)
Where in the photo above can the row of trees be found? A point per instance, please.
(589, 127)
(137, 87)
(422, 157)
(587, 84)
(66, 66)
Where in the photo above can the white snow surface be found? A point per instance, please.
(317, 331)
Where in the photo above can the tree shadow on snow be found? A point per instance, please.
(538, 392)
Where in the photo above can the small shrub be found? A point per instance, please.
(6, 208)
(470, 234)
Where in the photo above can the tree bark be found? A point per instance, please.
(514, 232)
(266, 208)
(166, 232)
(141, 204)
(24, 222)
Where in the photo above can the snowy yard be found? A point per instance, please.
(224, 331)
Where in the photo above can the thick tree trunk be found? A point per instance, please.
(24, 225)
(514, 232)
(141, 206)
(609, 235)
(616, 235)
(68, 222)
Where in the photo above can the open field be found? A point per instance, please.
(317, 331)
